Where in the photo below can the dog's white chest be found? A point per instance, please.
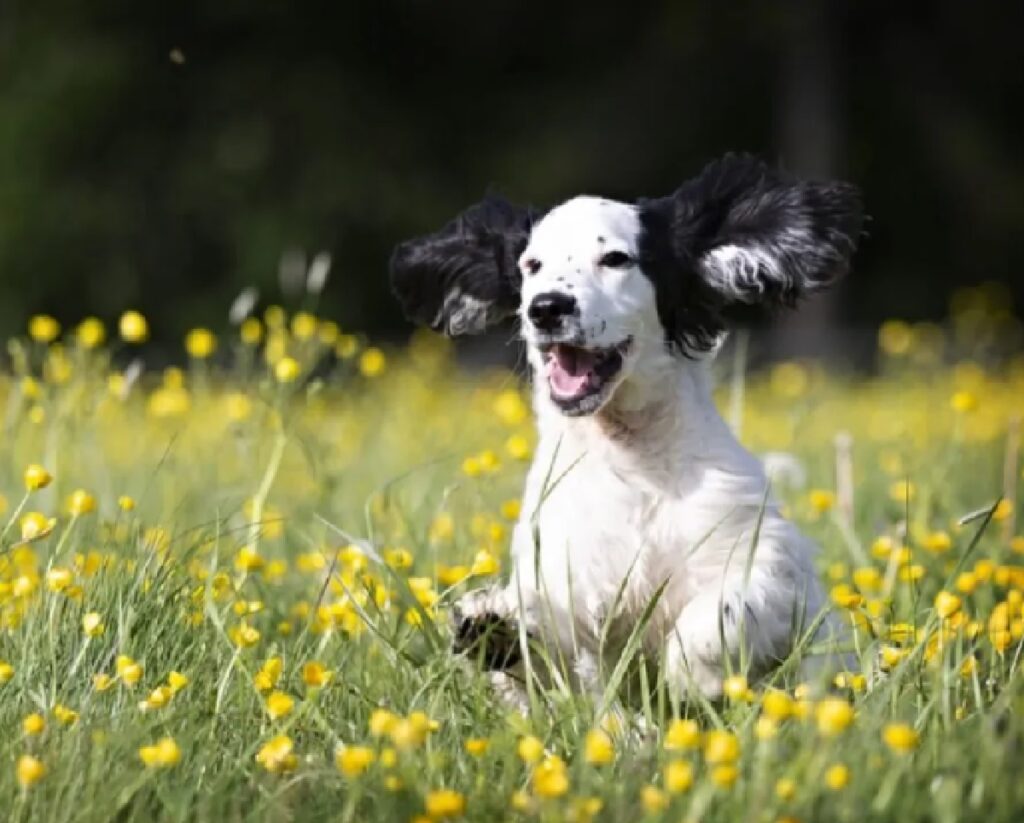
(593, 539)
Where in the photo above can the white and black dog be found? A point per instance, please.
(640, 502)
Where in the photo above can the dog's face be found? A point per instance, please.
(600, 285)
(586, 306)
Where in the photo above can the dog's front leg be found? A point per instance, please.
(486, 624)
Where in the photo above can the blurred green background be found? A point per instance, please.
(165, 155)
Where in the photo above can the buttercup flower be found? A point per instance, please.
(161, 755)
(352, 761)
(444, 803)
(133, 327)
(29, 770)
(36, 477)
(598, 747)
(279, 704)
(276, 755)
(834, 716)
(900, 737)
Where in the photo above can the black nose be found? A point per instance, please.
(547, 310)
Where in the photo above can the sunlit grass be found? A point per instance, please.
(223, 590)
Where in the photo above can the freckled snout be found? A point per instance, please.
(549, 310)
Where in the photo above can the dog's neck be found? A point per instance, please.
(662, 420)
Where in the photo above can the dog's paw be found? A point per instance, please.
(484, 629)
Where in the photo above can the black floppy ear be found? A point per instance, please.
(464, 277)
(741, 237)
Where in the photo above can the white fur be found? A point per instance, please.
(652, 490)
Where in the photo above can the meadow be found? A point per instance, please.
(224, 588)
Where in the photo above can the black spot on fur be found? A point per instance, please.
(807, 232)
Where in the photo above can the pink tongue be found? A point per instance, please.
(568, 369)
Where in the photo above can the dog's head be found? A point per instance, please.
(599, 285)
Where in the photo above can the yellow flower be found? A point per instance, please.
(868, 578)
(963, 402)
(678, 776)
(598, 747)
(315, 675)
(176, 681)
(6, 672)
(409, 732)
(200, 343)
(276, 755)
(347, 346)
(303, 325)
(510, 509)
(36, 477)
(721, 747)
(157, 699)
(834, 715)
(736, 688)
(895, 337)
(789, 380)
(251, 331)
(837, 777)
(161, 755)
(785, 788)
(65, 715)
(442, 803)
(850, 680)
(518, 447)
(382, 722)
(133, 327)
(766, 728)
(966, 582)
(81, 502)
(372, 362)
(900, 737)
(287, 370)
(682, 735)
(59, 579)
(244, 635)
(530, 749)
(125, 503)
(821, 500)
(1003, 509)
(477, 746)
(279, 704)
(33, 724)
(653, 799)
(937, 542)
(946, 604)
(29, 770)
(724, 776)
(352, 761)
(777, 705)
(550, 778)
(91, 333)
(266, 678)
(43, 329)
(485, 564)
(128, 670)
(101, 682)
(399, 559)
(902, 491)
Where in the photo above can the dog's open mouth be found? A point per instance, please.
(580, 378)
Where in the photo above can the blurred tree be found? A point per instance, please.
(165, 155)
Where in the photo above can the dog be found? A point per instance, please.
(642, 515)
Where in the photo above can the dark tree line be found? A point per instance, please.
(164, 155)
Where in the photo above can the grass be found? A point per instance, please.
(283, 523)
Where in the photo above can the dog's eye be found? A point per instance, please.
(531, 266)
(615, 260)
